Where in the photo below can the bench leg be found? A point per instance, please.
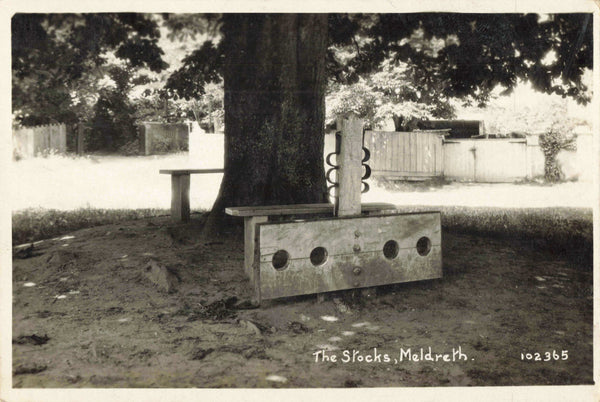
(249, 230)
(180, 197)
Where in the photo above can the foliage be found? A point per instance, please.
(470, 54)
(408, 66)
(156, 105)
(112, 125)
(113, 121)
(394, 91)
(184, 27)
(209, 110)
(357, 98)
(531, 115)
(200, 83)
(130, 148)
(59, 60)
(161, 144)
(201, 67)
(556, 139)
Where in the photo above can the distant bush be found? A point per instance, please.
(131, 148)
(556, 139)
(49, 153)
(162, 145)
(17, 155)
(113, 122)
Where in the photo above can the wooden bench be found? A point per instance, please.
(180, 191)
(260, 214)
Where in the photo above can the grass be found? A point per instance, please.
(566, 231)
(563, 230)
(34, 224)
(426, 184)
(555, 225)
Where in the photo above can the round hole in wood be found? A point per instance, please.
(280, 259)
(423, 246)
(391, 249)
(318, 256)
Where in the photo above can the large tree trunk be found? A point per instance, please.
(274, 111)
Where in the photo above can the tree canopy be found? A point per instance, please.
(451, 54)
(394, 90)
(472, 53)
(59, 59)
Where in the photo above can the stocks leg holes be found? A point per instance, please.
(318, 256)
(423, 246)
(391, 249)
(280, 260)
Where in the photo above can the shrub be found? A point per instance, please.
(551, 143)
(17, 155)
(131, 148)
(162, 144)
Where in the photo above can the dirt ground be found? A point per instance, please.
(111, 326)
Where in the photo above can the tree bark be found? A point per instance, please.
(274, 111)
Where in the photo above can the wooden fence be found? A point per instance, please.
(163, 137)
(408, 155)
(32, 141)
(486, 160)
(425, 154)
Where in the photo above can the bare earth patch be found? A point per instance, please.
(88, 314)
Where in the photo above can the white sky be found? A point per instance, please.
(524, 96)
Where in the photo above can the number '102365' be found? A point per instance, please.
(546, 356)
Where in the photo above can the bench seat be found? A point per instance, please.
(179, 172)
(299, 209)
(180, 190)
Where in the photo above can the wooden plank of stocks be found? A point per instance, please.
(258, 214)
(315, 256)
(349, 161)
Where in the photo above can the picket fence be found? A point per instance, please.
(33, 141)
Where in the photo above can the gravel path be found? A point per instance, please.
(134, 182)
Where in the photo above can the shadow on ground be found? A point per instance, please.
(88, 314)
